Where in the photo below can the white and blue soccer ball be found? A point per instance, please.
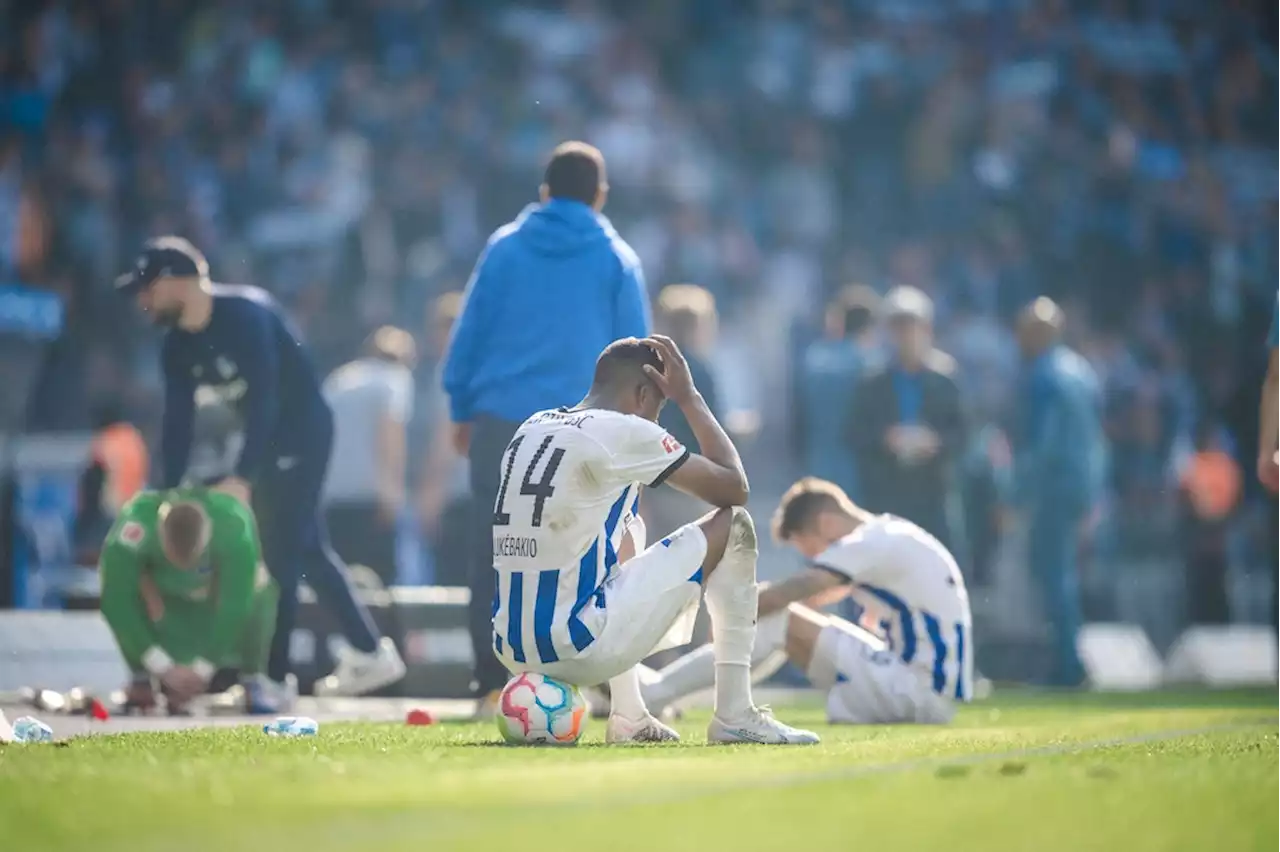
(534, 709)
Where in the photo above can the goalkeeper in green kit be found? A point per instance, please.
(185, 592)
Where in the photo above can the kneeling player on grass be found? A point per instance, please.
(566, 509)
(916, 664)
(185, 592)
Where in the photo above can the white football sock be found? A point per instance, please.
(624, 696)
(696, 670)
(731, 597)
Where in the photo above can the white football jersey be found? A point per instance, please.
(911, 585)
(571, 483)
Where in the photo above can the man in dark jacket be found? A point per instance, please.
(907, 428)
(551, 290)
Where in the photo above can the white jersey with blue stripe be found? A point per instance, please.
(909, 584)
(571, 482)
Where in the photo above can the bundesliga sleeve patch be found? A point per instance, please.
(132, 533)
(670, 444)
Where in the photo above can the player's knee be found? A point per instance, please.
(715, 528)
(742, 532)
(731, 543)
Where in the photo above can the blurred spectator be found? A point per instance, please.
(444, 500)
(907, 428)
(372, 402)
(118, 469)
(986, 474)
(830, 370)
(1209, 493)
(687, 314)
(1060, 470)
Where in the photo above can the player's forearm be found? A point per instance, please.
(805, 586)
(713, 442)
(132, 631)
(122, 608)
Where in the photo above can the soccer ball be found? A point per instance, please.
(534, 709)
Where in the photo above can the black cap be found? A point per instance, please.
(165, 256)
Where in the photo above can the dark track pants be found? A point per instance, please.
(489, 439)
(295, 546)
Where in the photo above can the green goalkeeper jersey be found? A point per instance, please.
(227, 578)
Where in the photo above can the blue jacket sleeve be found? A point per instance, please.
(1273, 339)
(259, 363)
(179, 415)
(465, 342)
(1038, 415)
(631, 306)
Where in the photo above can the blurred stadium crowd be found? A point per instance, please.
(1118, 155)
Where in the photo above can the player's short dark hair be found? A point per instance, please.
(184, 526)
(859, 307)
(576, 172)
(804, 502)
(622, 363)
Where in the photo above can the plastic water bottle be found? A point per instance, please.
(29, 730)
(291, 726)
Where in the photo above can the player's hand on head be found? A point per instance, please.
(675, 381)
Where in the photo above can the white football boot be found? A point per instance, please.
(646, 730)
(760, 727)
(357, 672)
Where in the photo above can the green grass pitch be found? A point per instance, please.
(1020, 772)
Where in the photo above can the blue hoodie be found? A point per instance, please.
(1273, 339)
(551, 290)
(1061, 453)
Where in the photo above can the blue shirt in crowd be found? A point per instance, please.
(1061, 451)
(829, 374)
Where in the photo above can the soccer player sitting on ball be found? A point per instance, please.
(567, 508)
(912, 665)
(185, 592)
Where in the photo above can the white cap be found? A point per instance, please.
(905, 302)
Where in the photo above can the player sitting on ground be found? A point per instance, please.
(185, 592)
(901, 576)
(566, 508)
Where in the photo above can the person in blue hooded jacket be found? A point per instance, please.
(1060, 462)
(551, 290)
